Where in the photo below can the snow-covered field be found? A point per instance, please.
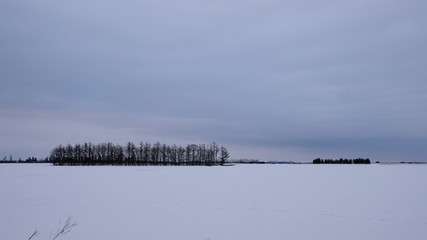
(247, 202)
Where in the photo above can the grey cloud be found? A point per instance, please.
(298, 75)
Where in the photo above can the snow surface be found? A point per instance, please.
(198, 203)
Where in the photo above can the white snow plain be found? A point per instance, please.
(247, 202)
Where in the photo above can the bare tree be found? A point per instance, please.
(223, 155)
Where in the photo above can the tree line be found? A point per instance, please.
(28, 160)
(247, 161)
(342, 161)
(141, 154)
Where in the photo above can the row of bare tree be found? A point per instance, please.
(342, 161)
(142, 154)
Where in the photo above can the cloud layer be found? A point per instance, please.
(279, 80)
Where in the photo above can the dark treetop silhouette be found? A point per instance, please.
(342, 161)
(143, 154)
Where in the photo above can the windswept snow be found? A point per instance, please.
(247, 202)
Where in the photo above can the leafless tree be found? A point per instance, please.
(223, 155)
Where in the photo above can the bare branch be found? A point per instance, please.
(63, 229)
(35, 233)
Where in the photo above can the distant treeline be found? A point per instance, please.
(28, 160)
(142, 154)
(246, 161)
(342, 161)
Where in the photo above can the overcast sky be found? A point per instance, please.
(271, 79)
